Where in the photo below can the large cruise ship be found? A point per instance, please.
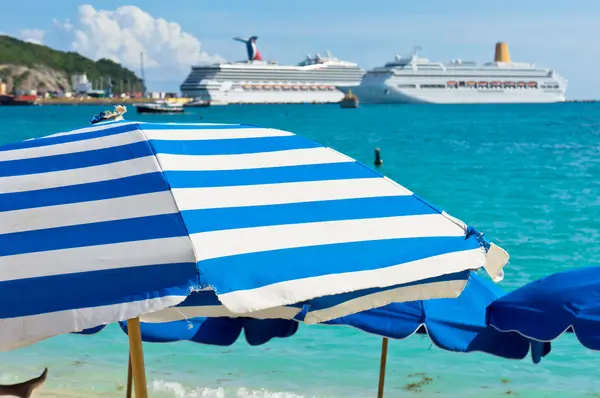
(418, 80)
(314, 80)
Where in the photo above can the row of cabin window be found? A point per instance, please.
(471, 86)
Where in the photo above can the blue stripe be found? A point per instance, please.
(180, 126)
(127, 186)
(253, 270)
(74, 160)
(295, 213)
(43, 141)
(232, 146)
(102, 233)
(271, 175)
(95, 288)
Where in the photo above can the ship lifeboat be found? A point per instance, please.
(532, 84)
(277, 87)
(521, 84)
(257, 87)
(246, 86)
(452, 84)
(267, 87)
(323, 88)
(314, 88)
(509, 84)
(295, 88)
(482, 84)
(496, 84)
(285, 87)
(303, 87)
(470, 84)
(330, 88)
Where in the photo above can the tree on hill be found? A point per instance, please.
(18, 52)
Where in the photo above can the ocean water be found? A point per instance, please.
(527, 175)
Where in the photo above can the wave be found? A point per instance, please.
(176, 390)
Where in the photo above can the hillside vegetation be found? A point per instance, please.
(27, 66)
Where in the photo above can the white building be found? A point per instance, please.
(81, 84)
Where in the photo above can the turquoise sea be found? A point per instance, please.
(527, 175)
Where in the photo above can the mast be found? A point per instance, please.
(143, 77)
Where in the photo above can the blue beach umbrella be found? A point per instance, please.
(457, 324)
(542, 310)
(219, 331)
(453, 324)
(120, 219)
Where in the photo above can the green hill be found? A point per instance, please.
(27, 66)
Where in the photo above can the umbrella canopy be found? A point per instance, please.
(120, 219)
(457, 324)
(221, 331)
(546, 308)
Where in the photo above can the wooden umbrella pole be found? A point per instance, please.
(137, 358)
(129, 381)
(384, 345)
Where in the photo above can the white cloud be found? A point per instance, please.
(33, 35)
(121, 35)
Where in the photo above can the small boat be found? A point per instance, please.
(18, 100)
(197, 103)
(160, 107)
(350, 100)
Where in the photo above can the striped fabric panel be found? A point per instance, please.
(277, 219)
(89, 234)
(263, 217)
(205, 303)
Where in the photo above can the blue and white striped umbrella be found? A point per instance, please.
(121, 219)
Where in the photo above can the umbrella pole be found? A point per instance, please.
(129, 381)
(384, 345)
(137, 358)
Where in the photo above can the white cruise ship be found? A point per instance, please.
(255, 81)
(418, 80)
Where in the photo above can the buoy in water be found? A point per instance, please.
(378, 160)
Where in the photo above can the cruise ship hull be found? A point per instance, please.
(388, 94)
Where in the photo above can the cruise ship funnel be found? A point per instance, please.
(502, 54)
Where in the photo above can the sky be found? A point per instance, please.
(173, 35)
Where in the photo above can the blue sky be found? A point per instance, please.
(558, 34)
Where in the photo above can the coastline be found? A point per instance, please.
(93, 101)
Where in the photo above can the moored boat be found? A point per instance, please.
(160, 107)
(18, 100)
(350, 100)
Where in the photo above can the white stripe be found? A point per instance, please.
(450, 289)
(74, 147)
(98, 127)
(181, 313)
(97, 258)
(232, 242)
(294, 192)
(110, 171)
(295, 291)
(192, 134)
(24, 331)
(296, 157)
(144, 205)
(394, 183)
